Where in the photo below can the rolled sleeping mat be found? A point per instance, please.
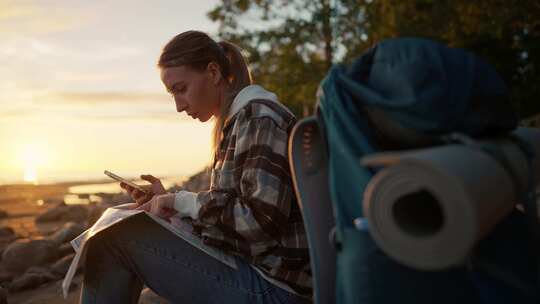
(428, 207)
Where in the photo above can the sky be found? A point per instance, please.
(80, 91)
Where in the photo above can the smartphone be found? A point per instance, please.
(125, 181)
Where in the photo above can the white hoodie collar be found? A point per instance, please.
(247, 94)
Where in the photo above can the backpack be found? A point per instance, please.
(400, 94)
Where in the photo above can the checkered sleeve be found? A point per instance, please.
(249, 217)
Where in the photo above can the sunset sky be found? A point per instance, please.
(80, 91)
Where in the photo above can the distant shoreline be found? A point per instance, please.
(49, 184)
(75, 182)
(29, 191)
(57, 190)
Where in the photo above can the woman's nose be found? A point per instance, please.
(180, 105)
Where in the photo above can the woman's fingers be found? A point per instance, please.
(138, 196)
(157, 186)
(150, 178)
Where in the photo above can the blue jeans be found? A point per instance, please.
(139, 251)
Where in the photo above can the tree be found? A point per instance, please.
(292, 44)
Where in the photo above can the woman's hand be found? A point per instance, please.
(160, 205)
(156, 188)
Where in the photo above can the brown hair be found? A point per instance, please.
(196, 50)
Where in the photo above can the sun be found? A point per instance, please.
(30, 175)
(31, 157)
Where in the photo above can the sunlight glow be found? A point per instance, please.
(94, 99)
(30, 175)
(31, 157)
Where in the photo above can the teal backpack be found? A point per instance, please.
(400, 94)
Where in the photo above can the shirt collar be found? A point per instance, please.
(251, 92)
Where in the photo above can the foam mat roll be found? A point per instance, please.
(428, 207)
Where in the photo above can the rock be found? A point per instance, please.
(64, 213)
(74, 286)
(3, 214)
(3, 295)
(150, 297)
(113, 199)
(120, 198)
(6, 232)
(197, 182)
(94, 213)
(6, 276)
(23, 254)
(7, 236)
(67, 232)
(39, 270)
(30, 280)
(54, 200)
(65, 249)
(61, 266)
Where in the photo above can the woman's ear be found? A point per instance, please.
(214, 72)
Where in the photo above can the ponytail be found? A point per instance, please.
(238, 77)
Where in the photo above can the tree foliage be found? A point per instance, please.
(291, 44)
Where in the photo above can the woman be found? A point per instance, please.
(249, 211)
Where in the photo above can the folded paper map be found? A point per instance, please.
(114, 215)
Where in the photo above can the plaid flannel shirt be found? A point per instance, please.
(250, 209)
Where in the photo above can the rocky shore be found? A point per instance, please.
(36, 226)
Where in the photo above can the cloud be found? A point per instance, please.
(60, 115)
(29, 17)
(12, 10)
(94, 107)
(107, 97)
(14, 114)
(156, 116)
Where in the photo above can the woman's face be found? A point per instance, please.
(199, 93)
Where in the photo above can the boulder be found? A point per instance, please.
(197, 182)
(65, 249)
(150, 297)
(119, 198)
(96, 210)
(6, 232)
(73, 287)
(6, 276)
(54, 201)
(64, 213)
(23, 254)
(7, 236)
(67, 232)
(3, 295)
(32, 278)
(94, 213)
(61, 266)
